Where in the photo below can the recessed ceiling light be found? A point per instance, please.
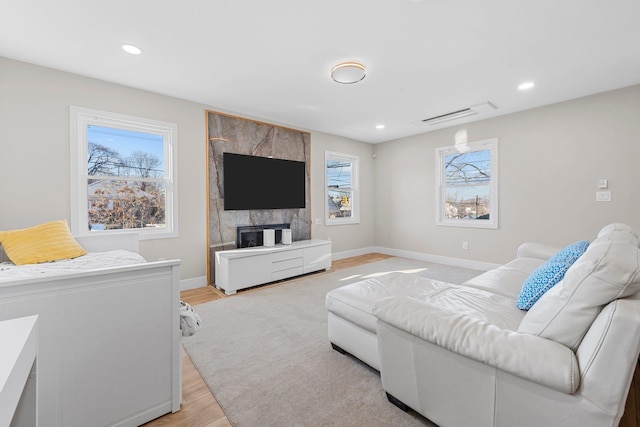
(133, 50)
(526, 85)
(348, 72)
(379, 126)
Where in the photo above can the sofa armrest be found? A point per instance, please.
(613, 340)
(536, 250)
(527, 356)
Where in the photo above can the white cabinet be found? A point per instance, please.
(243, 268)
(17, 372)
(108, 343)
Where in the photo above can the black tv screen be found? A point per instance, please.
(252, 182)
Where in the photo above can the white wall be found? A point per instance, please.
(34, 158)
(550, 159)
(346, 240)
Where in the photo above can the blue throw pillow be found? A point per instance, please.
(549, 274)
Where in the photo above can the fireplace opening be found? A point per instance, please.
(248, 236)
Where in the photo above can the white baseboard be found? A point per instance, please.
(196, 282)
(456, 262)
(355, 252)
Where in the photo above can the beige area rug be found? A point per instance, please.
(266, 357)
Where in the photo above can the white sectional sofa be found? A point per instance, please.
(465, 354)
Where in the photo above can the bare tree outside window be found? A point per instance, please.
(144, 165)
(137, 200)
(101, 159)
(467, 185)
(467, 180)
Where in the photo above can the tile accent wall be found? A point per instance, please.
(230, 134)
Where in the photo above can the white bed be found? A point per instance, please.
(108, 335)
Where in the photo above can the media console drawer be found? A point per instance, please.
(243, 268)
(285, 264)
(286, 273)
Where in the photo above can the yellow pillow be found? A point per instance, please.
(46, 242)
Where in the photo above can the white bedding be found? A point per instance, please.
(91, 261)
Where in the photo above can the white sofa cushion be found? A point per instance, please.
(536, 250)
(354, 302)
(507, 279)
(608, 270)
(621, 232)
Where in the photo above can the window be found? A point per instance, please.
(123, 174)
(343, 200)
(467, 180)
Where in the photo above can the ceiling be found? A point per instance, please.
(271, 60)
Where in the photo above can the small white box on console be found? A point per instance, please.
(286, 236)
(269, 237)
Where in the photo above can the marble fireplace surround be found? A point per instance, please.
(231, 134)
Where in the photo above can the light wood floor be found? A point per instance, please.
(199, 407)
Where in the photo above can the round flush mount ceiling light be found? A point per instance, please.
(133, 50)
(526, 86)
(348, 73)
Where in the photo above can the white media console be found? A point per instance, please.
(246, 267)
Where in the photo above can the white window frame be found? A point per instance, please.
(80, 118)
(355, 192)
(441, 153)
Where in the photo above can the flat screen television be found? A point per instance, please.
(252, 182)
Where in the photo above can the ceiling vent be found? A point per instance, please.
(487, 107)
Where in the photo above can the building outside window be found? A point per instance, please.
(342, 196)
(123, 174)
(467, 180)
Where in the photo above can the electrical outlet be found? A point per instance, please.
(465, 245)
(603, 196)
